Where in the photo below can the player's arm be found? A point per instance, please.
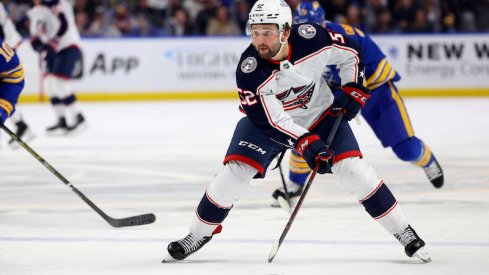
(11, 81)
(348, 56)
(43, 28)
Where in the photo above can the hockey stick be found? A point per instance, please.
(129, 221)
(278, 243)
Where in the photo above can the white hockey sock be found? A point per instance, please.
(59, 110)
(394, 222)
(73, 110)
(362, 180)
(222, 193)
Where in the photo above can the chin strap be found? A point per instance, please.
(282, 43)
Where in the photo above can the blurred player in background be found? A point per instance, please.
(55, 35)
(384, 111)
(288, 104)
(12, 38)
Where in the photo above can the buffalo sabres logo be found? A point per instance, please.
(248, 65)
(307, 31)
(297, 97)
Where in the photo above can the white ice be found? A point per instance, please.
(158, 157)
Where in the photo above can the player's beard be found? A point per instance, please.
(266, 52)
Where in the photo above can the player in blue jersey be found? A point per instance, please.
(11, 80)
(288, 104)
(384, 111)
(11, 36)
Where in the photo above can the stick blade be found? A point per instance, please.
(273, 251)
(134, 221)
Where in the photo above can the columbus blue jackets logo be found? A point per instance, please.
(248, 65)
(307, 31)
(297, 97)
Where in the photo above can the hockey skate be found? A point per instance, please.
(60, 128)
(280, 200)
(23, 132)
(79, 125)
(434, 173)
(413, 244)
(181, 249)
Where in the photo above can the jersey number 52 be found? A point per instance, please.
(247, 98)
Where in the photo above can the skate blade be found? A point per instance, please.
(422, 255)
(168, 259)
(275, 203)
(284, 204)
(57, 133)
(79, 129)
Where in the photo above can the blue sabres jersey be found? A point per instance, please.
(377, 69)
(285, 99)
(11, 80)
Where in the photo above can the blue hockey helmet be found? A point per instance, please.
(309, 11)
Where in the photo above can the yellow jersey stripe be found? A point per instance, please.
(13, 80)
(7, 106)
(402, 110)
(377, 72)
(7, 73)
(383, 75)
(300, 171)
(299, 165)
(296, 158)
(425, 158)
(375, 85)
(13, 76)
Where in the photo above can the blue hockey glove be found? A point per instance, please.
(351, 99)
(314, 151)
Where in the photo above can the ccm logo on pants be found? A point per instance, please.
(252, 146)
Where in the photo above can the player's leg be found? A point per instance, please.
(65, 66)
(371, 191)
(298, 173)
(50, 86)
(248, 156)
(22, 130)
(386, 114)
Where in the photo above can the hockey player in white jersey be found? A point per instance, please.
(54, 34)
(289, 105)
(11, 36)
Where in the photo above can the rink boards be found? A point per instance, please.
(204, 67)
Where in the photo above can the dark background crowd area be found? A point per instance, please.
(151, 18)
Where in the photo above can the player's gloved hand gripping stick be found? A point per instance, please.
(351, 99)
(319, 161)
(129, 221)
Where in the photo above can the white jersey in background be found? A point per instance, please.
(11, 35)
(46, 24)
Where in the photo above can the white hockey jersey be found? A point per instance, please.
(47, 24)
(284, 100)
(11, 35)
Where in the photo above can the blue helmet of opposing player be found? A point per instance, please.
(309, 11)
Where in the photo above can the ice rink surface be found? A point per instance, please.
(158, 157)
